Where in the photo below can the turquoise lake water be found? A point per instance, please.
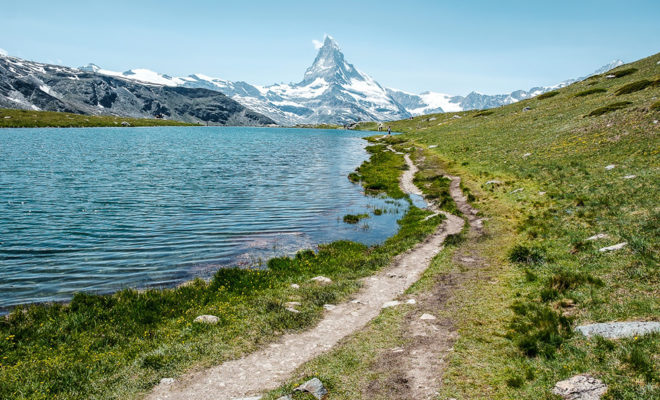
(100, 209)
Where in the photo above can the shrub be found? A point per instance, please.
(527, 255)
(623, 72)
(378, 211)
(548, 95)
(656, 106)
(484, 113)
(609, 108)
(565, 280)
(634, 87)
(354, 177)
(537, 329)
(590, 91)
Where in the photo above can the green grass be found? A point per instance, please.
(118, 346)
(484, 113)
(516, 337)
(590, 91)
(45, 119)
(354, 218)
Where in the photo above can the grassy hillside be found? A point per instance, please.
(541, 173)
(550, 158)
(45, 119)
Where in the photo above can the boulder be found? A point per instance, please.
(599, 236)
(167, 381)
(610, 167)
(580, 387)
(295, 286)
(617, 330)
(125, 123)
(314, 387)
(207, 319)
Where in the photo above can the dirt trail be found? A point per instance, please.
(267, 368)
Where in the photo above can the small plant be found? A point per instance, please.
(538, 329)
(354, 177)
(609, 108)
(484, 113)
(655, 106)
(526, 255)
(354, 218)
(378, 211)
(514, 381)
(634, 87)
(547, 95)
(590, 91)
(565, 280)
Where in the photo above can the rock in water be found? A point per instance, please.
(580, 387)
(207, 319)
(617, 330)
(314, 387)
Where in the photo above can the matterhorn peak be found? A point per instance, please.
(330, 65)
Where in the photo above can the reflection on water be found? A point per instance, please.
(100, 209)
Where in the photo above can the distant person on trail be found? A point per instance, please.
(389, 130)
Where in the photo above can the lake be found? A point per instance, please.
(101, 209)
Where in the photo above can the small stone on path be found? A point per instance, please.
(329, 307)
(611, 166)
(167, 381)
(314, 387)
(207, 319)
(427, 317)
(322, 280)
(617, 330)
(580, 387)
(411, 301)
(599, 236)
(392, 303)
(614, 247)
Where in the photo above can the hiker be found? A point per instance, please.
(380, 127)
(389, 130)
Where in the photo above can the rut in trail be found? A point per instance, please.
(268, 368)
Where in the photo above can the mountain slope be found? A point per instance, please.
(36, 86)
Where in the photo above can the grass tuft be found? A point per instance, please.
(547, 95)
(609, 108)
(590, 91)
(634, 87)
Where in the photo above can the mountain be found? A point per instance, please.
(430, 102)
(94, 91)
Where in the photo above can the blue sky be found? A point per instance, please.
(451, 47)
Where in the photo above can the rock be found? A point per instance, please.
(293, 310)
(527, 155)
(207, 319)
(314, 387)
(427, 317)
(295, 286)
(7, 116)
(433, 146)
(580, 387)
(613, 248)
(610, 76)
(248, 398)
(287, 397)
(527, 109)
(432, 119)
(457, 117)
(617, 330)
(389, 304)
(411, 301)
(329, 307)
(541, 193)
(599, 236)
(518, 190)
(292, 304)
(493, 182)
(125, 123)
(630, 177)
(609, 167)
(322, 280)
(655, 121)
(167, 381)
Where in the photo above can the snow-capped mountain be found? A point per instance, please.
(36, 86)
(334, 91)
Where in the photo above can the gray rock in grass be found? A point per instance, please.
(580, 387)
(314, 387)
(618, 330)
(207, 319)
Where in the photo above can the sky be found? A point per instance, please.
(414, 45)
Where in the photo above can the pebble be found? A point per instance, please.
(392, 303)
(599, 236)
(329, 307)
(427, 317)
(314, 387)
(518, 190)
(433, 146)
(609, 167)
(493, 182)
(167, 381)
(614, 247)
(295, 286)
(630, 177)
(527, 155)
